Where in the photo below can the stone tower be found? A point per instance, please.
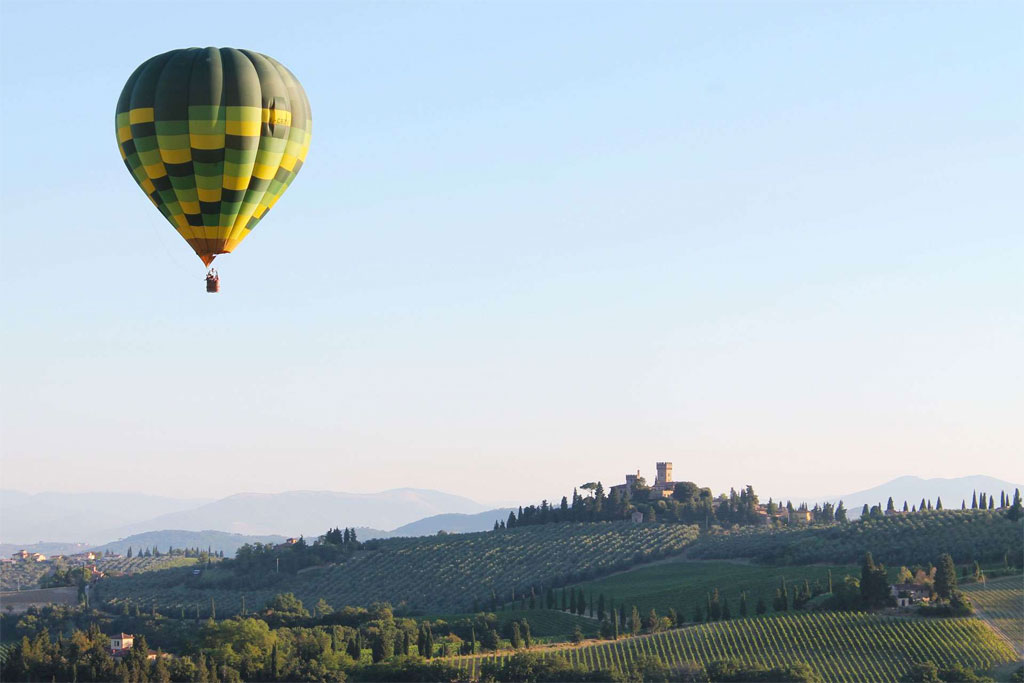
(664, 473)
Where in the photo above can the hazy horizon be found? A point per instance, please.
(796, 497)
(532, 245)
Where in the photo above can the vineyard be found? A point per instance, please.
(684, 585)
(1001, 603)
(432, 574)
(838, 646)
(897, 540)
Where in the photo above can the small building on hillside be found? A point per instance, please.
(120, 644)
(801, 517)
(637, 517)
(20, 555)
(907, 594)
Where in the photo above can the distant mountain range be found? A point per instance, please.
(79, 517)
(214, 540)
(452, 523)
(98, 518)
(229, 543)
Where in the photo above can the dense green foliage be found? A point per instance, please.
(689, 504)
(895, 540)
(837, 646)
(545, 624)
(436, 573)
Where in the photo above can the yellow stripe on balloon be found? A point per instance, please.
(141, 115)
(236, 182)
(250, 128)
(206, 141)
(176, 156)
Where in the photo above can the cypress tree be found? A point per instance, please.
(991, 503)
(938, 503)
(572, 601)
(945, 576)
(974, 501)
(1016, 510)
(352, 647)
(743, 604)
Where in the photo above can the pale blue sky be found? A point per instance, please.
(534, 244)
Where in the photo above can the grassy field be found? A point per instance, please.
(435, 574)
(682, 585)
(1001, 603)
(839, 646)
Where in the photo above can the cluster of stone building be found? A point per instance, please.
(664, 486)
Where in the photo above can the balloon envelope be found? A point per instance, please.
(214, 136)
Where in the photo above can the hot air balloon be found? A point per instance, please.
(214, 136)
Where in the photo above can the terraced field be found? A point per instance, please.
(838, 646)
(1001, 603)
(432, 574)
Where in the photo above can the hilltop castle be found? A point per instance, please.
(663, 484)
